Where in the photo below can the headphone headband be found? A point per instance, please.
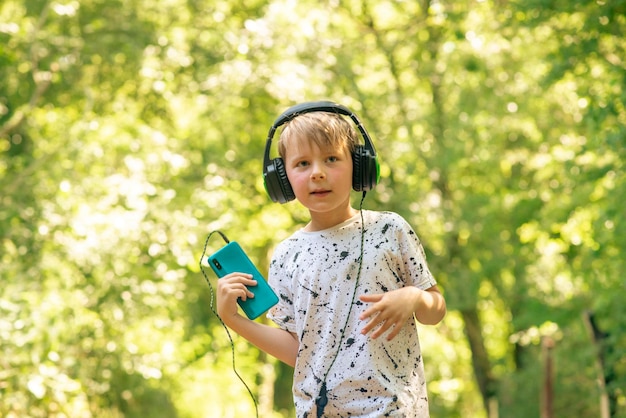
(367, 151)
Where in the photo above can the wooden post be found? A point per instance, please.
(493, 407)
(547, 344)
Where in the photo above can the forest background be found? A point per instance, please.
(130, 129)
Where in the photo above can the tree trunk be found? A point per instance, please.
(480, 359)
(597, 337)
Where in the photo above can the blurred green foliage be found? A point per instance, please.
(131, 129)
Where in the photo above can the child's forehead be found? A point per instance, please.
(318, 131)
(301, 145)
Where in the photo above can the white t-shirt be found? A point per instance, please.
(314, 275)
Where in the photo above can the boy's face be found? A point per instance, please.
(321, 177)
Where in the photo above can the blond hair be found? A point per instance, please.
(322, 128)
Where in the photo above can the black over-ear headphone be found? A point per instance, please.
(365, 170)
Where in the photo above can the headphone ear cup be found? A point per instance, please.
(277, 183)
(372, 173)
(357, 168)
(365, 170)
(286, 188)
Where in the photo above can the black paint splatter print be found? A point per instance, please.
(314, 274)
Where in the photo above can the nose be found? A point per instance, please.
(317, 172)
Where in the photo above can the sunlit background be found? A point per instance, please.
(130, 129)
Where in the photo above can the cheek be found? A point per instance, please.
(297, 180)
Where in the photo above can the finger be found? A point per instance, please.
(368, 312)
(373, 323)
(368, 327)
(384, 326)
(371, 298)
(250, 283)
(247, 293)
(238, 277)
(372, 309)
(235, 282)
(237, 290)
(240, 283)
(394, 332)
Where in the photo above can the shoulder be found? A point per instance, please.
(382, 215)
(287, 245)
(386, 220)
(393, 227)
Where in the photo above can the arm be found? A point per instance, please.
(391, 310)
(430, 307)
(275, 341)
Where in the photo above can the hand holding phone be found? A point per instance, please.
(232, 259)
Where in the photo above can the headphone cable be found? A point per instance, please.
(322, 397)
(212, 294)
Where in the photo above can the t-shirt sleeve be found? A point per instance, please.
(283, 312)
(416, 271)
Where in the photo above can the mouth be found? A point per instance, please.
(320, 192)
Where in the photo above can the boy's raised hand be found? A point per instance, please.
(230, 288)
(389, 311)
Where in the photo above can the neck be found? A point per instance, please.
(321, 221)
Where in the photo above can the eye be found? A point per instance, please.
(332, 159)
(302, 164)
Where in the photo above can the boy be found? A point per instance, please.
(350, 284)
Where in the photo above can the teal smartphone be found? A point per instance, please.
(231, 258)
